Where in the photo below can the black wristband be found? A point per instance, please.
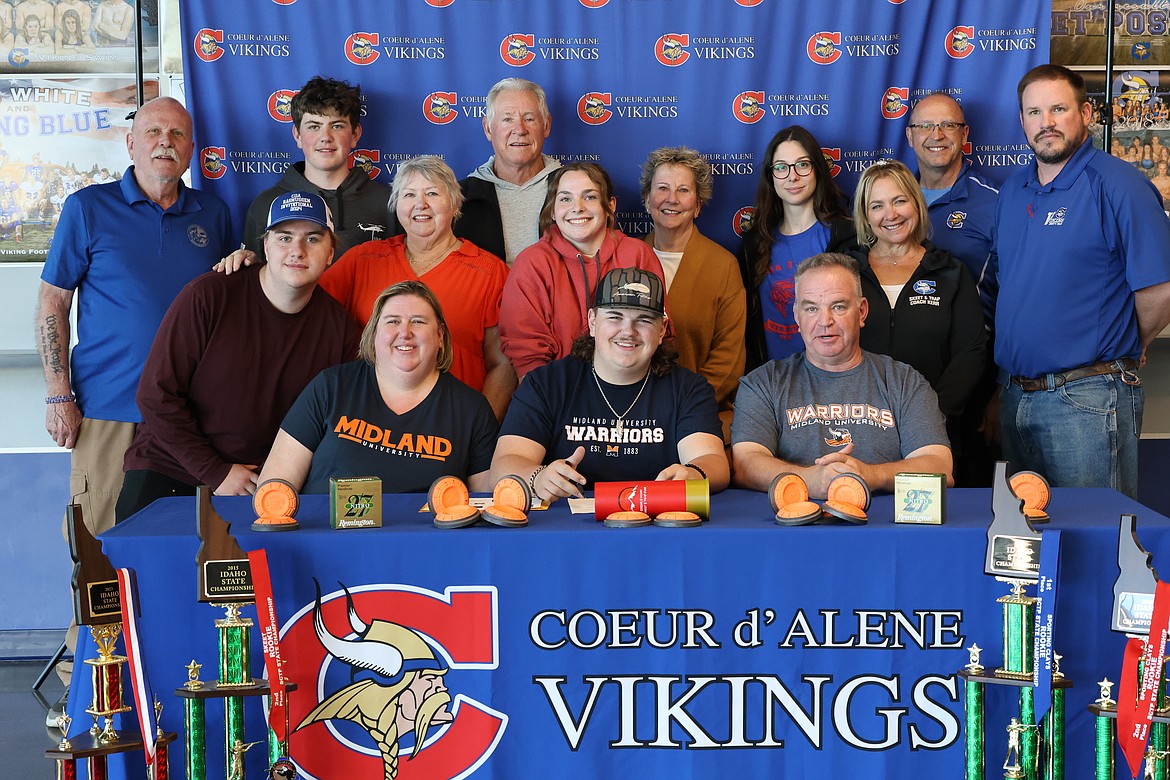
(702, 473)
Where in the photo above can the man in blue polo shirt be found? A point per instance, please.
(961, 204)
(125, 249)
(962, 219)
(1084, 286)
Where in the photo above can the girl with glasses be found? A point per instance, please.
(799, 212)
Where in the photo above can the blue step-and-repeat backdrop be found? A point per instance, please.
(623, 78)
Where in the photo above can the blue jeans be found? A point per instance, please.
(1084, 434)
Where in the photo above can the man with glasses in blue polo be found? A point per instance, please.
(961, 206)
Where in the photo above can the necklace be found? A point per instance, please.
(621, 418)
(420, 265)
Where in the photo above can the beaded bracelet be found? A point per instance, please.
(532, 480)
(61, 399)
(702, 473)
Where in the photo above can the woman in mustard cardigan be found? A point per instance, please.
(705, 294)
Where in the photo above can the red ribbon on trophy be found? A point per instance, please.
(140, 685)
(270, 642)
(1136, 704)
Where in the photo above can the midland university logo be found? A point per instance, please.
(382, 661)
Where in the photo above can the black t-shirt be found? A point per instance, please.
(341, 417)
(559, 406)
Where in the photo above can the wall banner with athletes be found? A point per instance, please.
(57, 135)
(1140, 32)
(623, 78)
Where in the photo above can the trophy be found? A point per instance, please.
(97, 604)
(1133, 608)
(225, 579)
(1035, 750)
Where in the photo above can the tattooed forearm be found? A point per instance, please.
(51, 349)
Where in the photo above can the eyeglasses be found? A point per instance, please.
(784, 170)
(930, 127)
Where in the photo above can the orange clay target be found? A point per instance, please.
(511, 491)
(845, 511)
(510, 503)
(275, 498)
(787, 488)
(449, 500)
(680, 519)
(1032, 489)
(798, 513)
(628, 519)
(849, 489)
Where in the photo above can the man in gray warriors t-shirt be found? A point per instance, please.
(834, 408)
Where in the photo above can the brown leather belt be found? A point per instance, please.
(1125, 367)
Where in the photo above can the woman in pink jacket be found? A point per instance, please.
(551, 285)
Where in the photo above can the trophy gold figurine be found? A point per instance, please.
(1035, 750)
(225, 579)
(1133, 607)
(97, 603)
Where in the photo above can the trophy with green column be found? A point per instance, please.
(1133, 609)
(1035, 750)
(225, 580)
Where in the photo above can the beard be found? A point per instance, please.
(1060, 150)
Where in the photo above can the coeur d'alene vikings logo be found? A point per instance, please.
(211, 161)
(741, 221)
(380, 707)
(895, 102)
(361, 48)
(518, 49)
(748, 107)
(593, 107)
(824, 48)
(832, 159)
(671, 49)
(439, 107)
(207, 44)
(959, 43)
(280, 104)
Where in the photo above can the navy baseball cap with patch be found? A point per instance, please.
(631, 288)
(299, 205)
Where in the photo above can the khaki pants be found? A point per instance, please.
(95, 480)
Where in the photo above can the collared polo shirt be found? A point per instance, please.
(1071, 253)
(127, 258)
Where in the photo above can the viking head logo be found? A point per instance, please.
(402, 691)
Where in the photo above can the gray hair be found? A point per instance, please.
(433, 169)
(515, 85)
(830, 260)
(684, 157)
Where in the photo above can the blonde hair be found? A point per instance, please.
(416, 288)
(888, 169)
